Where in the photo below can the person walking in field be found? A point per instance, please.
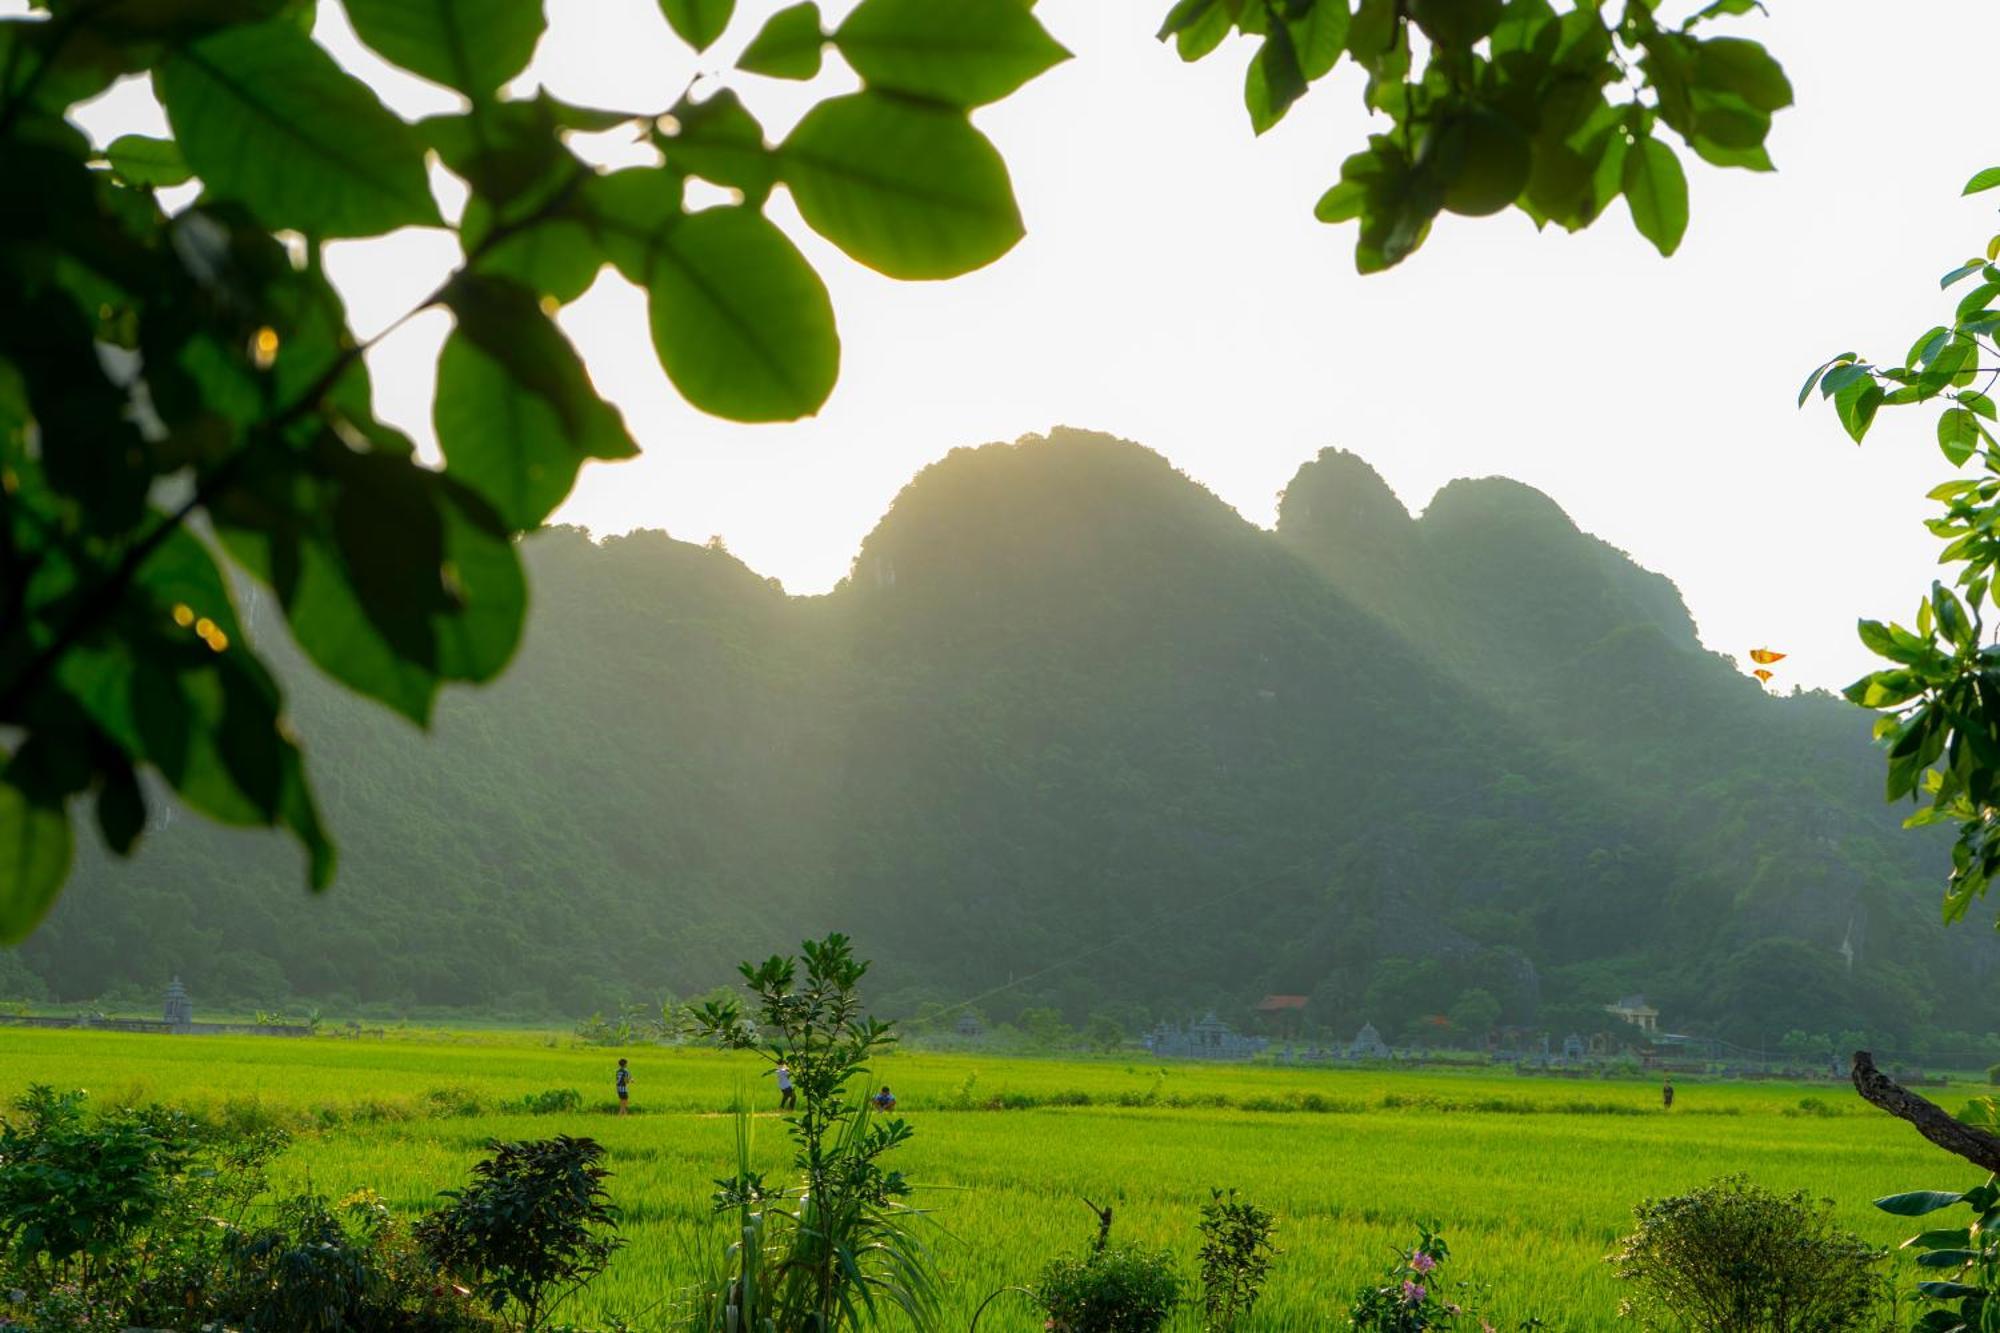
(1667, 1095)
(624, 1087)
(788, 1096)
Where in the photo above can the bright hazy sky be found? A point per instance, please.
(1174, 289)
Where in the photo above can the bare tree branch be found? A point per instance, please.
(1954, 1136)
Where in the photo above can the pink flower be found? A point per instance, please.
(1412, 1293)
(1485, 1327)
(1422, 1262)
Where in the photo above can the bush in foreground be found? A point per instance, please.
(1734, 1255)
(1112, 1290)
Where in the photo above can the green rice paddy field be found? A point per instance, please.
(1531, 1178)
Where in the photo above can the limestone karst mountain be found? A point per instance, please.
(1073, 723)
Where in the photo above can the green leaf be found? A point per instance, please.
(35, 850)
(1729, 124)
(121, 808)
(1947, 1258)
(1856, 404)
(965, 53)
(392, 576)
(515, 412)
(629, 209)
(1951, 617)
(1656, 192)
(1975, 301)
(1918, 1202)
(1812, 379)
(1342, 202)
(144, 160)
(1274, 81)
(1939, 1238)
(1982, 182)
(910, 190)
(699, 22)
(742, 324)
(1962, 272)
(265, 117)
(1927, 346)
(471, 45)
(789, 46)
(1710, 11)
(1958, 434)
(1197, 27)
(558, 257)
(1320, 37)
(1735, 65)
(720, 141)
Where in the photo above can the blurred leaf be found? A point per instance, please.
(471, 45)
(720, 141)
(35, 851)
(742, 324)
(910, 190)
(1656, 192)
(121, 809)
(515, 411)
(1274, 81)
(965, 53)
(143, 160)
(1958, 434)
(1982, 182)
(264, 116)
(789, 46)
(1744, 68)
(1320, 37)
(1198, 26)
(558, 258)
(699, 22)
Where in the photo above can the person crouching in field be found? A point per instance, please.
(624, 1087)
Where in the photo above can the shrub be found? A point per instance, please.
(325, 1268)
(1113, 1290)
(74, 1190)
(532, 1229)
(1236, 1254)
(549, 1101)
(837, 1243)
(63, 1308)
(1733, 1255)
(1411, 1295)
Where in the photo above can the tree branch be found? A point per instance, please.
(1954, 1136)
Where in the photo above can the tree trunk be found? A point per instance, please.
(1974, 1145)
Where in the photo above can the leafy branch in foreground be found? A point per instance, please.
(180, 389)
(1940, 701)
(1499, 102)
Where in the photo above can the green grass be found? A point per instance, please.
(1531, 1179)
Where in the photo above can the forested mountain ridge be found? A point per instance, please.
(1073, 723)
